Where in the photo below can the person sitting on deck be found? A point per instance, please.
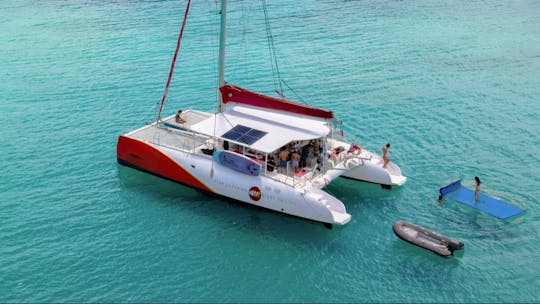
(178, 118)
(336, 152)
(354, 149)
(271, 164)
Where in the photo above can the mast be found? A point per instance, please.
(171, 70)
(222, 34)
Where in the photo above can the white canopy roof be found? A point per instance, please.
(281, 128)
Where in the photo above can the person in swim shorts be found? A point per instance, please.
(282, 157)
(295, 159)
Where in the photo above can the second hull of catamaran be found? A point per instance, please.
(370, 170)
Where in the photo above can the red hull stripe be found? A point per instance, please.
(147, 157)
(230, 93)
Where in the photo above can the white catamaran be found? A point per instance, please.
(256, 149)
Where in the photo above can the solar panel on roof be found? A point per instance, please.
(244, 134)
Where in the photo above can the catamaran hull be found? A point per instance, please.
(367, 166)
(374, 173)
(199, 171)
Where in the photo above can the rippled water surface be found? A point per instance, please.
(453, 85)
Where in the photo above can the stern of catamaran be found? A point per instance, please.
(363, 165)
(337, 209)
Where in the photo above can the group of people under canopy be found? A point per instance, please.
(294, 156)
(290, 158)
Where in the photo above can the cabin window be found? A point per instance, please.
(244, 134)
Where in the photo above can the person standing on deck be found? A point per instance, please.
(385, 158)
(306, 151)
(295, 160)
(283, 156)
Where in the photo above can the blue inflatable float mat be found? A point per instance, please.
(490, 205)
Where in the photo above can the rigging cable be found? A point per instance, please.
(173, 63)
(294, 92)
(272, 50)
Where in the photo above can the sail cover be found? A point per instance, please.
(230, 93)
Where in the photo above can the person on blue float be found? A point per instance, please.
(477, 188)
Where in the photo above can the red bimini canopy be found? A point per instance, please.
(230, 93)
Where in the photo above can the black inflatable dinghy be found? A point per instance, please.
(425, 238)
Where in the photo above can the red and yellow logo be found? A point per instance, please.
(255, 193)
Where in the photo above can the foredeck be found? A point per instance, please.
(174, 135)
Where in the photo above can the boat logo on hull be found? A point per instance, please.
(255, 193)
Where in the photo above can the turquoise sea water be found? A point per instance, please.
(453, 85)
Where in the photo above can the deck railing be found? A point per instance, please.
(190, 142)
